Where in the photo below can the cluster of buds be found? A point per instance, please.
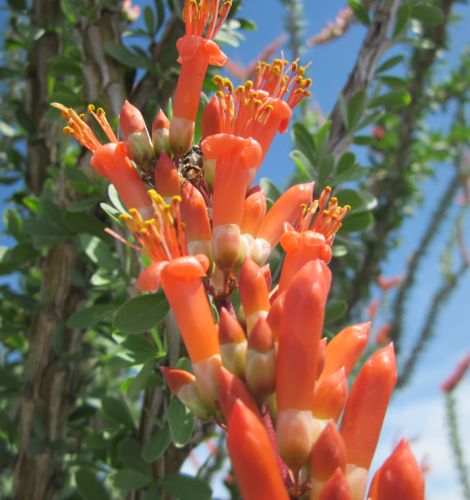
(263, 373)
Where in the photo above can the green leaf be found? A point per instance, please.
(125, 56)
(303, 141)
(141, 313)
(357, 222)
(90, 316)
(428, 14)
(155, 448)
(360, 201)
(390, 63)
(360, 11)
(355, 109)
(117, 410)
(139, 382)
(14, 257)
(181, 422)
(335, 309)
(160, 13)
(184, 487)
(89, 486)
(99, 252)
(394, 82)
(82, 222)
(403, 17)
(326, 168)
(115, 200)
(149, 19)
(394, 98)
(320, 139)
(303, 164)
(129, 479)
(129, 451)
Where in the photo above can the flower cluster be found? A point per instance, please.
(263, 373)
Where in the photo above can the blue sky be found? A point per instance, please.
(417, 411)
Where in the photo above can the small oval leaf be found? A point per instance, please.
(141, 313)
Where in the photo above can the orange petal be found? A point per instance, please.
(286, 209)
(330, 396)
(131, 119)
(181, 281)
(328, 453)
(336, 488)
(366, 406)
(167, 180)
(232, 389)
(345, 348)
(299, 338)
(400, 476)
(254, 211)
(252, 457)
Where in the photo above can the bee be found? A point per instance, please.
(190, 165)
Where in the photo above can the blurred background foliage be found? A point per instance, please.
(83, 409)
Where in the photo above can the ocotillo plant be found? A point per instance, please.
(262, 371)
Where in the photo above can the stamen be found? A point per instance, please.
(323, 216)
(161, 237)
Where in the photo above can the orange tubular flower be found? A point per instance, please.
(313, 236)
(162, 240)
(286, 209)
(345, 348)
(365, 411)
(254, 293)
(234, 157)
(197, 50)
(110, 160)
(296, 363)
(286, 86)
(181, 281)
(399, 477)
(261, 108)
(252, 457)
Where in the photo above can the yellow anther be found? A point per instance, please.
(90, 108)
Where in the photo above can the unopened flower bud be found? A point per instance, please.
(260, 360)
(131, 120)
(330, 396)
(295, 436)
(210, 123)
(167, 181)
(161, 133)
(183, 385)
(226, 245)
(181, 135)
(141, 151)
(254, 293)
(233, 344)
(207, 374)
